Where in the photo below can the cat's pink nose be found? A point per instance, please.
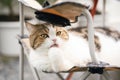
(54, 40)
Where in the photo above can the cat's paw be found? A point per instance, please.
(62, 67)
(67, 67)
(83, 63)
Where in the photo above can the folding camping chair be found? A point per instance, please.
(74, 9)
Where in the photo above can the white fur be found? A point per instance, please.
(110, 50)
(74, 52)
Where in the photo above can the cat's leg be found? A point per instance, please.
(41, 63)
(58, 61)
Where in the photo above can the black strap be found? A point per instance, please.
(52, 18)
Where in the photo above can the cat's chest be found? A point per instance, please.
(39, 53)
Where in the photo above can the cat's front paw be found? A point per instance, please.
(58, 60)
(83, 63)
(62, 67)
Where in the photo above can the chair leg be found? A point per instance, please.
(21, 57)
(60, 76)
(69, 76)
(35, 73)
(21, 65)
(104, 8)
(93, 11)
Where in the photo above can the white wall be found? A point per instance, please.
(8, 41)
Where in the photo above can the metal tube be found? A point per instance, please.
(35, 73)
(66, 75)
(91, 44)
(104, 16)
(21, 19)
(21, 56)
(69, 76)
(60, 76)
(90, 35)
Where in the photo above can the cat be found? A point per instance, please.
(55, 48)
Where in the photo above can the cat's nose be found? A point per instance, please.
(54, 40)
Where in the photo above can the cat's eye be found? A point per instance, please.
(44, 36)
(58, 33)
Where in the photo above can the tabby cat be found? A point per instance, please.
(57, 49)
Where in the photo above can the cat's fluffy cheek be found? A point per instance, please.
(61, 42)
(47, 43)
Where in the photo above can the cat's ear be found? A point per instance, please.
(30, 27)
(33, 24)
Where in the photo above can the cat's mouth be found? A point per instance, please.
(54, 45)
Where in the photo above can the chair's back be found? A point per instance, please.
(67, 10)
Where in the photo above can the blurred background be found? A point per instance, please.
(10, 28)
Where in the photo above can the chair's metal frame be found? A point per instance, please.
(85, 75)
(104, 15)
(21, 56)
(103, 11)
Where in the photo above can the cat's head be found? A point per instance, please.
(46, 36)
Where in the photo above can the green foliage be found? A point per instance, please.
(41, 1)
(6, 3)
